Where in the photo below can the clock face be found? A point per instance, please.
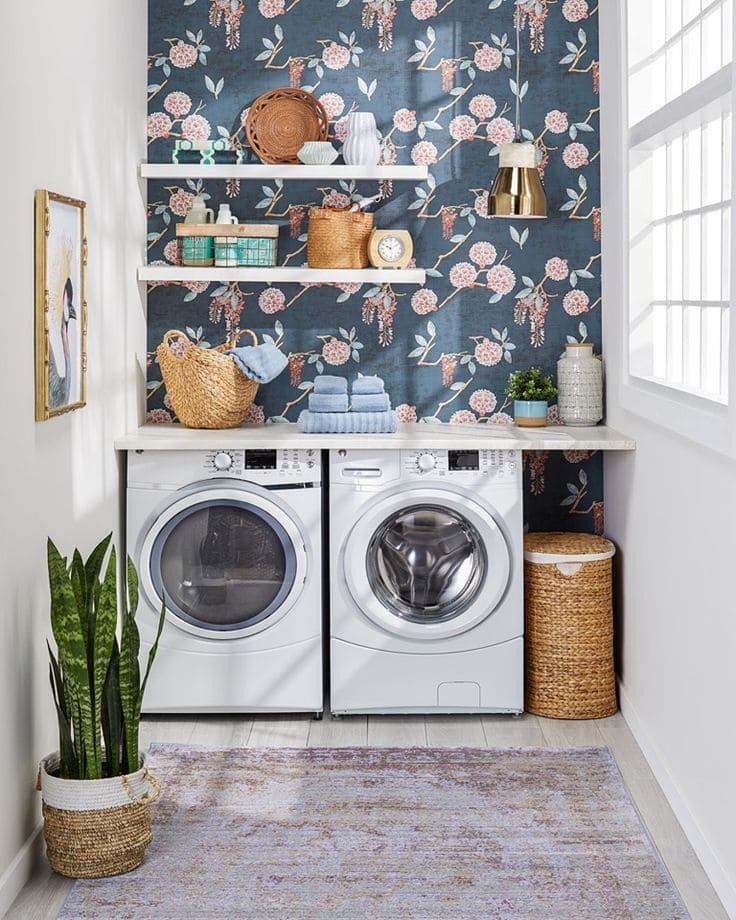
(391, 248)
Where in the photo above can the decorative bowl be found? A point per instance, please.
(317, 153)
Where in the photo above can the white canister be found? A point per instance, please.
(224, 216)
(362, 145)
(580, 381)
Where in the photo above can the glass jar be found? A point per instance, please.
(580, 382)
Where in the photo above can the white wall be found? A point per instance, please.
(671, 509)
(73, 106)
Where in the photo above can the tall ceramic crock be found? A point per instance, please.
(362, 146)
(580, 381)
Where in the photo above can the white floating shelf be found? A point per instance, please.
(302, 275)
(263, 171)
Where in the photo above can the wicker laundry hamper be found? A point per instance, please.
(569, 626)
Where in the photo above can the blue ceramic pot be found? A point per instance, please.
(530, 413)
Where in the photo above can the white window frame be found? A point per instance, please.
(698, 418)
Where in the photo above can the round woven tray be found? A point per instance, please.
(569, 626)
(281, 121)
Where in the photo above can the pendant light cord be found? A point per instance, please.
(518, 69)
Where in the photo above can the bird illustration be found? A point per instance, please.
(61, 312)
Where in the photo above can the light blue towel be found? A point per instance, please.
(365, 385)
(325, 383)
(370, 402)
(347, 422)
(262, 363)
(328, 402)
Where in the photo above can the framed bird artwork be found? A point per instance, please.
(61, 305)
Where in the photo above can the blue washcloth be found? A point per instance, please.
(324, 383)
(328, 402)
(370, 402)
(365, 385)
(347, 422)
(262, 363)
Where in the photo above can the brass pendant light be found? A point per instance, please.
(517, 190)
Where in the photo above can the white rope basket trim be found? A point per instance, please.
(566, 558)
(92, 794)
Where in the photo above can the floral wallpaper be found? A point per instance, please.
(440, 77)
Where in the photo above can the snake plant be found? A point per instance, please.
(96, 680)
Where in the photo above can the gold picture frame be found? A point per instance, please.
(61, 304)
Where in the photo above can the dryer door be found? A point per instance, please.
(427, 564)
(227, 558)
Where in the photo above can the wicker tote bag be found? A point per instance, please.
(206, 388)
(338, 238)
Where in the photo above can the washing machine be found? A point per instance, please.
(230, 540)
(426, 588)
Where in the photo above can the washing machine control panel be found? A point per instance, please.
(451, 464)
(261, 464)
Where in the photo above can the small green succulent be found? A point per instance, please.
(530, 385)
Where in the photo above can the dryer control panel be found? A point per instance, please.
(500, 465)
(259, 462)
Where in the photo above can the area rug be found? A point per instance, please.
(405, 834)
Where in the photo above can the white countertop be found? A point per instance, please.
(408, 437)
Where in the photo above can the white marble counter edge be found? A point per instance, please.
(408, 437)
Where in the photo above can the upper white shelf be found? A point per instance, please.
(266, 171)
(301, 275)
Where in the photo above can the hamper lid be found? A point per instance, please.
(554, 548)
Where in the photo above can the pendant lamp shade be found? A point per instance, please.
(517, 189)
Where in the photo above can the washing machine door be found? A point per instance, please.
(427, 563)
(228, 559)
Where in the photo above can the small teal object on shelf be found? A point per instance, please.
(243, 251)
(530, 413)
(197, 251)
(206, 149)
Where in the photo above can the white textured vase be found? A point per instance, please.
(362, 146)
(580, 382)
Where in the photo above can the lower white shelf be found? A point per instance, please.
(300, 275)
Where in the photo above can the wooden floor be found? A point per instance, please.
(43, 896)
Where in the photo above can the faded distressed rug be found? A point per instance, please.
(405, 834)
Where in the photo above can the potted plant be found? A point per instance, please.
(531, 393)
(96, 789)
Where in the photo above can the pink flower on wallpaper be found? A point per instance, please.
(576, 456)
(500, 131)
(335, 352)
(406, 413)
(424, 153)
(256, 415)
(271, 8)
(272, 300)
(463, 128)
(334, 199)
(405, 120)
(483, 402)
(557, 269)
(183, 55)
(463, 417)
(341, 128)
(333, 104)
(483, 106)
(424, 301)
(336, 57)
(483, 253)
(553, 415)
(171, 252)
(178, 104)
(501, 418)
(501, 279)
(487, 58)
(196, 287)
(196, 128)
(349, 287)
(463, 275)
(423, 9)
(556, 122)
(480, 205)
(488, 353)
(181, 202)
(575, 155)
(575, 10)
(159, 125)
(576, 302)
(158, 417)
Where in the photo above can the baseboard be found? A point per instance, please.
(723, 885)
(20, 870)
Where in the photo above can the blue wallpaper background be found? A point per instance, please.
(438, 74)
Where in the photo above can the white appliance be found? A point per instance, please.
(427, 583)
(231, 539)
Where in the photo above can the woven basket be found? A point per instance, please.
(205, 386)
(282, 120)
(96, 828)
(338, 238)
(569, 626)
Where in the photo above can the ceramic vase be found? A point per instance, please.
(580, 381)
(362, 146)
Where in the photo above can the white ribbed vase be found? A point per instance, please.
(580, 381)
(362, 146)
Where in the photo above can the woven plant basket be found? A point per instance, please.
(338, 238)
(282, 120)
(569, 626)
(205, 386)
(99, 827)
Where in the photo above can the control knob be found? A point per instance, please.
(426, 463)
(223, 461)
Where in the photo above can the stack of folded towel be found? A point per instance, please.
(367, 412)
